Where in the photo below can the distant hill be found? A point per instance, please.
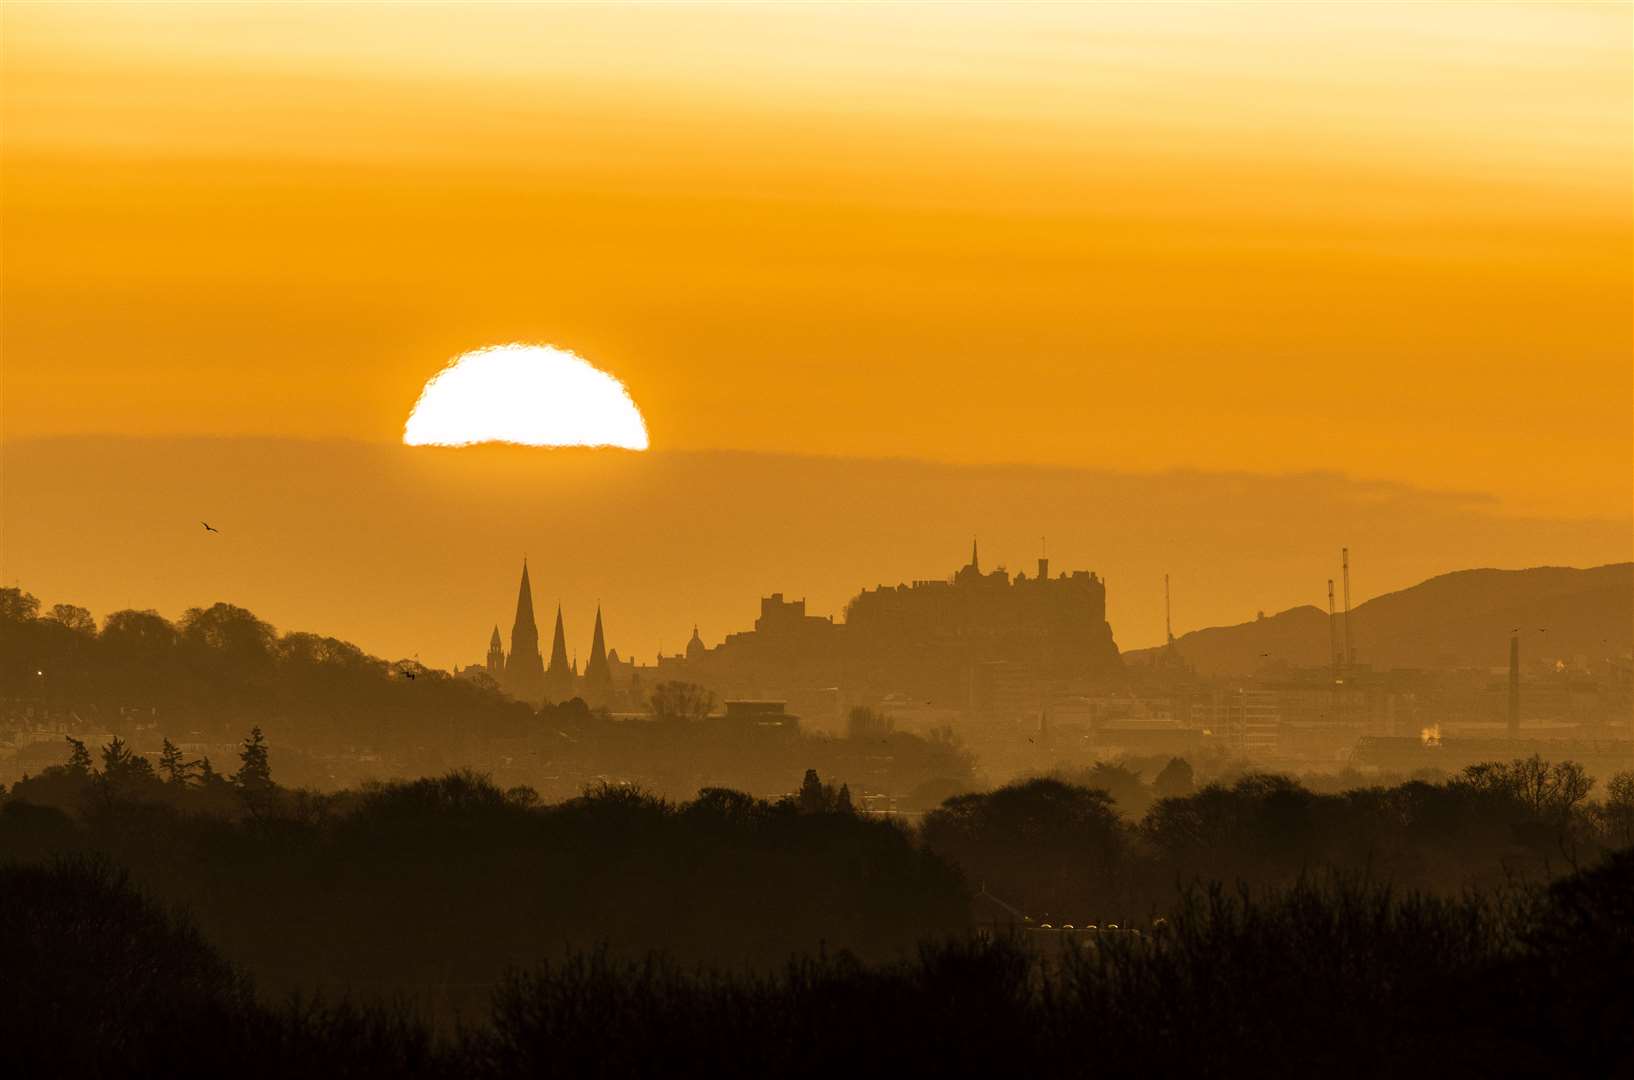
(1462, 619)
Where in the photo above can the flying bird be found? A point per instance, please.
(209, 527)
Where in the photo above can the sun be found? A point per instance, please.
(533, 395)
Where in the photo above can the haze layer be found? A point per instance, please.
(1392, 241)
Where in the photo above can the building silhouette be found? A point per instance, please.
(496, 657)
(974, 640)
(934, 641)
(560, 679)
(597, 687)
(524, 668)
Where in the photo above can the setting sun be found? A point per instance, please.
(533, 395)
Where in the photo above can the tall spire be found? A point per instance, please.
(524, 601)
(496, 655)
(598, 677)
(524, 670)
(558, 677)
(975, 562)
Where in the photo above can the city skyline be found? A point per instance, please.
(753, 538)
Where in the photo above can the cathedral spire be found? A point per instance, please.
(598, 676)
(496, 655)
(524, 670)
(558, 677)
(558, 646)
(524, 603)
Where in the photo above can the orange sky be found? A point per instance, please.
(1388, 240)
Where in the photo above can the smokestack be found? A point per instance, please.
(1333, 634)
(1350, 642)
(1514, 686)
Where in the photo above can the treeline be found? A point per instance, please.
(1330, 978)
(435, 887)
(340, 716)
(220, 670)
(1063, 853)
(322, 890)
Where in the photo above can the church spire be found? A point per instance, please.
(975, 562)
(558, 677)
(558, 646)
(496, 655)
(524, 670)
(524, 602)
(598, 677)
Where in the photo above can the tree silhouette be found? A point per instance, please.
(1174, 779)
(812, 799)
(254, 776)
(18, 606)
(125, 774)
(176, 770)
(79, 758)
(75, 618)
(681, 701)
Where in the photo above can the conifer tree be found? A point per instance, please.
(79, 758)
(812, 799)
(254, 776)
(176, 770)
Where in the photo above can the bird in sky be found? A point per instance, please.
(209, 527)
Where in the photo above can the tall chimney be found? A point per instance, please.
(1514, 686)
(1333, 634)
(1350, 642)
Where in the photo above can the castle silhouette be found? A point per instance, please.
(940, 640)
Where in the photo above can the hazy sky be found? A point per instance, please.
(1392, 240)
(1386, 240)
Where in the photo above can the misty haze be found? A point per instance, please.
(808, 540)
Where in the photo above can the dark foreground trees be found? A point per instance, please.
(1332, 978)
(436, 886)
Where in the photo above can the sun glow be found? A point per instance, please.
(533, 395)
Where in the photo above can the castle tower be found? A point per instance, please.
(496, 655)
(598, 676)
(558, 677)
(524, 670)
